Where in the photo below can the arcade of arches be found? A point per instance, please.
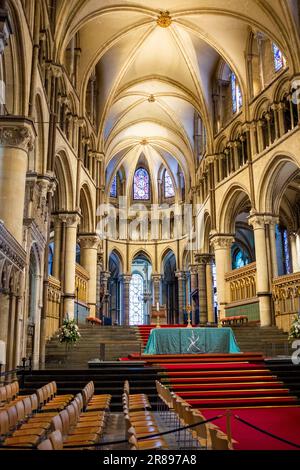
(111, 107)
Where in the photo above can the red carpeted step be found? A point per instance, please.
(234, 393)
(226, 386)
(216, 373)
(246, 401)
(214, 366)
(216, 380)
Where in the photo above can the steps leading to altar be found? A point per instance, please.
(118, 340)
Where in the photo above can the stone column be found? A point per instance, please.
(181, 295)
(156, 279)
(126, 278)
(105, 275)
(71, 221)
(210, 291)
(262, 269)
(294, 252)
(203, 260)
(16, 138)
(194, 284)
(222, 244)
(273, 254)
(57, 248)
(89, 245)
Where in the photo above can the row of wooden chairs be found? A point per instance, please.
(49, 400)
(78, 427)
(140, 422)
(92, 402)
(9, 393)
(207, 435)
(21, 425)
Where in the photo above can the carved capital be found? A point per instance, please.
(221, 241)
(18, 133)
(257, 221)
(156, 278)
(181, 275)
(125, 278)
(71, 219)
(203, 258)
(89, 241)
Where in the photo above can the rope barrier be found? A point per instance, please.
(266, 432)
(125, 441)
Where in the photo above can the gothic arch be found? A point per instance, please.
(273, 182)
(235, 200)
(64, 195)
(87, 212)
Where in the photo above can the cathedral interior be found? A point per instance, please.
(149, 162)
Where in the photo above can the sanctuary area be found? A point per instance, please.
(149, 225)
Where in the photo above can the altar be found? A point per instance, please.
(191, 341)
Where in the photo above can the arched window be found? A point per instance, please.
(141, 184)
(168, 185)
(50, 259)
(113, 188)
(239, 257)
(278, 58)
(283, 250)
(77, 253)
(136, 300)
(236, 94)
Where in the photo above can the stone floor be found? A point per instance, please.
(115, 431)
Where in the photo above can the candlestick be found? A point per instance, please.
(157, 320)
(188, 310)
(157, 306)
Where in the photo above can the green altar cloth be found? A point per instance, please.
(191, 341)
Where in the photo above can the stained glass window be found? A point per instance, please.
(233, 93)
(50, 259)
(136, 301)
(239, 258)
(168, 185)
(141, 184)
(236, 95)
(277, 57)
(113, 189)
(286, 249)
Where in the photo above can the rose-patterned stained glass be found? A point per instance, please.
(168, 185)
(136, 301)
(141, 184)
(277, 57)
(113, 189)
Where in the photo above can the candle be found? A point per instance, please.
(157, 306)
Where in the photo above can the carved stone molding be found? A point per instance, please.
(11, 249)
(19, 133)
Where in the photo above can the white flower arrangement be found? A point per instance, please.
(295, 329)
(69, 332)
